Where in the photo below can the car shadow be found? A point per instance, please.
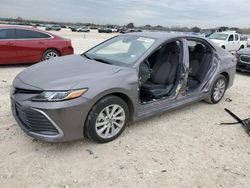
(16, 66)
(86, 143)
(243, 73)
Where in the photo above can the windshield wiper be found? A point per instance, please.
(103, 61)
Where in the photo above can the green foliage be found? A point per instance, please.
(22, 21)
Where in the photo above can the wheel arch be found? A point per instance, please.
(242, 46)
(121, 95)
(129, 102)
(226, 76)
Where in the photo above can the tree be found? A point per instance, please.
(19, 19)
(147, 25)
(130, 26)
(196, 29)
(159, 26)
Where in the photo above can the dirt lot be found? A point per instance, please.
(182, 148)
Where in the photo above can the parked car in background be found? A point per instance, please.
(63, 26)
(243, 60)
(28, 45)
(207, 32)
(93, 27)
(231, 41)
(83, 29)
(130, 30)
(79, 29)
(73, 29)
(104, 30)
(53, 28)
(127, 78)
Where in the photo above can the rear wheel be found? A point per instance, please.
(49, 54)
(107, 119)
(217, 90)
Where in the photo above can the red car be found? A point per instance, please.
(28, 45)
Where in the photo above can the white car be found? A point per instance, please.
(230, 41)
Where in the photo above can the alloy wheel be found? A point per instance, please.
(50, 55)
(110, 121)
(219, 89)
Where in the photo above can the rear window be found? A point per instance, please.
(28, 34)
(7, 34)
(236, 37)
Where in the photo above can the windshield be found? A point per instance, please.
(218, 36)
(123, 50)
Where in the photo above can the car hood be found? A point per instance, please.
(245, 51)
(64, 73)
(217, 41)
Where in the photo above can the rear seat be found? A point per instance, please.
(199, 60)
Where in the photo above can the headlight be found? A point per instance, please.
(59, 95)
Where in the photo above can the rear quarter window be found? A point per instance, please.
(7, 34)
(28, 34)
(236, 37)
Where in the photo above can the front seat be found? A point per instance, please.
(163, 73)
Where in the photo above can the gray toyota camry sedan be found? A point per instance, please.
(122, 80)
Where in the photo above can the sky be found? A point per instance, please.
(202, 13)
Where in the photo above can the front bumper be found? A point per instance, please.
(51, 121)
(242, 66)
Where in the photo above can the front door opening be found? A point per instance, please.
(158, 73)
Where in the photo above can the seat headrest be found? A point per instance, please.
(199, 48)
(173, 47)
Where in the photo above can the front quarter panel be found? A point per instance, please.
(123, 82)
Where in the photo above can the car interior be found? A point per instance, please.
(158, 74)
(200, 61)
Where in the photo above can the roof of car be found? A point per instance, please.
(25, 27)
(225, 32)
(22, 27)
(17, 26)
(162, 35)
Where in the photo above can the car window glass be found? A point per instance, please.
(236, 37)
(28, 34)
(116, 48)
(122, 50)
(218, 36)
(7, 34)
(192, 45)
(231, 38)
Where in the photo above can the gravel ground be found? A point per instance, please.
(182, 148)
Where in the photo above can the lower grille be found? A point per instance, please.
(245, 58)
(241, 65)
(35, 122)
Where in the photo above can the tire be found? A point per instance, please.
(101, 127)
(49, 54)
(219, 87)
(242, 47)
